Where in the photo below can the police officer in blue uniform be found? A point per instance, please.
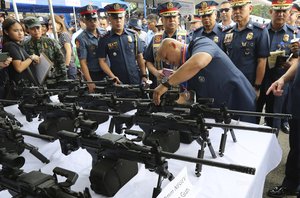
(294, 14)
(247, 43)
(209, 72)
(281, 36)
(87, 45)
(210, 28)
(123, 48)
(169, 12)
(291, 181)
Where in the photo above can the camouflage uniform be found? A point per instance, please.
(52, 50)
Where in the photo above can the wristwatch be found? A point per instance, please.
(165, 82)
(257, 87)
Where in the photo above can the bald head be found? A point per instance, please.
(169, 51)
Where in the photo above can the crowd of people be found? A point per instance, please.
(240, 63)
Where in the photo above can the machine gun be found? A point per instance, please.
(59, 116)
(109, 149)
(35, 184)
(11, 138)
(202, 109)
(197, 128)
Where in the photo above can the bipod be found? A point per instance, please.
(226, 118)
(203, 140)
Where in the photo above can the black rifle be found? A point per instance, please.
(35, 184)
(11, 138)
(59, 116)
(202, 109)
(114, 147)
(197, 128)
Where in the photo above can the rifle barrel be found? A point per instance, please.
(233, 167)
(9, 101)
(43, 137)
(253, 113)
(229, 126)
(91, 111)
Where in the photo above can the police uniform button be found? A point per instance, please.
(115, 53)
(201, 79)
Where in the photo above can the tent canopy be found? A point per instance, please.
(59, 6)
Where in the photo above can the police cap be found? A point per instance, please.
(134, 23)
(116, 9)
(206, 7)
(168, 9)
(43, 20)
(88, 11)
(236, 3)
(296, 8)
(281, 4)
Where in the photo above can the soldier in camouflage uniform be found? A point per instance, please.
(38, 44)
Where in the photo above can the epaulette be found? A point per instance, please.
(132, 31)
(259, 25)
(294, 29)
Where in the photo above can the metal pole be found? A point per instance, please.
(52, 19)
(15, 10)
(75, 19)
(145, 9)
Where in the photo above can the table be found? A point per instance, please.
(254, 149)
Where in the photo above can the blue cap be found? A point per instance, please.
(116, 9)
(88, 11)
(134, 22)
(168, 9)
(206, 7)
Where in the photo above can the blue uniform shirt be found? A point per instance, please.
(149, 55)
(122, 51)
(280, 40)
(295, 95)
(220, 79)
(215, 35)
(246, 46)
(87, 45)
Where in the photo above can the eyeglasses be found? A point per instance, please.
(224, 9)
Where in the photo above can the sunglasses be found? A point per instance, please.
(206, 15)
(224, 9)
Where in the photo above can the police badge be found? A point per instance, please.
(129, 39)
(170, 5)
(216, 39)
(249, 36)
(117, 6)
(286, 38)
(89, 8)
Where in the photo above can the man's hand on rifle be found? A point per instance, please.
(158, 92)
(91, 87)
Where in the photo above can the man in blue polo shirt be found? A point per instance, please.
(209, 72)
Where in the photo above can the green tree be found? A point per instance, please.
(261, 10)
